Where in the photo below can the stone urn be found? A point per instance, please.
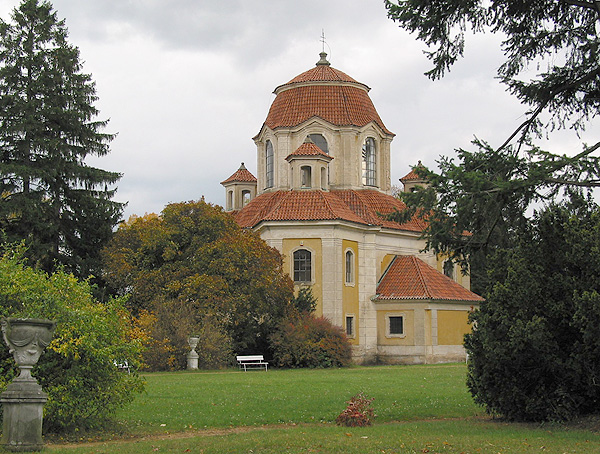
(26, 339)
(192, 357)
(23, 401)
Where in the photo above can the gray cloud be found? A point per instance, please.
(188, 83)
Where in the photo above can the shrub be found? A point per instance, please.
(305, 301)
(303, 340)
(77, 369)
(358, 412)
(167, 345)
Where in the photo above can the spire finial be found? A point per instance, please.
(323, 55)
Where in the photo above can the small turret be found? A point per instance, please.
(240, 188)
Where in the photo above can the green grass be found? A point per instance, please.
(419, 409)
(208, 400)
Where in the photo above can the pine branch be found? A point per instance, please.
(582, 4)
(527, 123)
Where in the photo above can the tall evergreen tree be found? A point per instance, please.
(490, 190)
(50, 197)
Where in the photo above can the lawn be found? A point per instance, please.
(418, 408)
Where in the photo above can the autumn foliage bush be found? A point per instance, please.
(303, 340)
(358, 412)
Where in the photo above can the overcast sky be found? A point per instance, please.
(186, 84)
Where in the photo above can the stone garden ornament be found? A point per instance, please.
(192, 357)
(23, 401)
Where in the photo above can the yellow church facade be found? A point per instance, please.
(321, 196)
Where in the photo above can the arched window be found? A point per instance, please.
(230, 200)
(302, 266)
(319, 141)
(246, 197)
(306, 176)
(349, 267)
(369, 164)
(269, 165)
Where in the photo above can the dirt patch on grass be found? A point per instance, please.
(82, 442)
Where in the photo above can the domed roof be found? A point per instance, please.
(323, 92)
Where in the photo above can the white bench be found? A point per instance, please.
(252, 362)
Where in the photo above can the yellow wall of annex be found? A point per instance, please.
(408, 324)
(452, 326)
(314, 246)
(350, 290)
(385, 263)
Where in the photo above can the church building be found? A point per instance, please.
(320, 197)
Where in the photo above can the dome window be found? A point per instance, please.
(320, 142)
(369, 164)
(269, 165)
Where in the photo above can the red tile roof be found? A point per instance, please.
(367, 207)
(309, 149)
(321, 73)
(241, 175)
(409, 278)
(340, 105)
(323, 92)
(412, 175)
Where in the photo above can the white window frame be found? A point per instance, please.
(293, 265)
(353, 324)
(349, 283)
(387, 324)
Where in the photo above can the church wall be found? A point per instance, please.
(432, 329)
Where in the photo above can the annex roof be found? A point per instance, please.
(410, 278)
(241, 175)
(367, 207)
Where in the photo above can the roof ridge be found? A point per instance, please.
(420, 276)
(329, 207)
(387, 270)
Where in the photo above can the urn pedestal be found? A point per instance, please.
(23, 401)
(192, 356)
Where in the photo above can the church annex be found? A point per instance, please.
(320, 196)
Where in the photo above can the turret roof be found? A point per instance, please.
(308, 148)
(241, 175)
(412, 175)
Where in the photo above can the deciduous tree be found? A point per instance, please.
(193, 264)
(49, 196)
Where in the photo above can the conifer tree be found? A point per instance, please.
(50, 197)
